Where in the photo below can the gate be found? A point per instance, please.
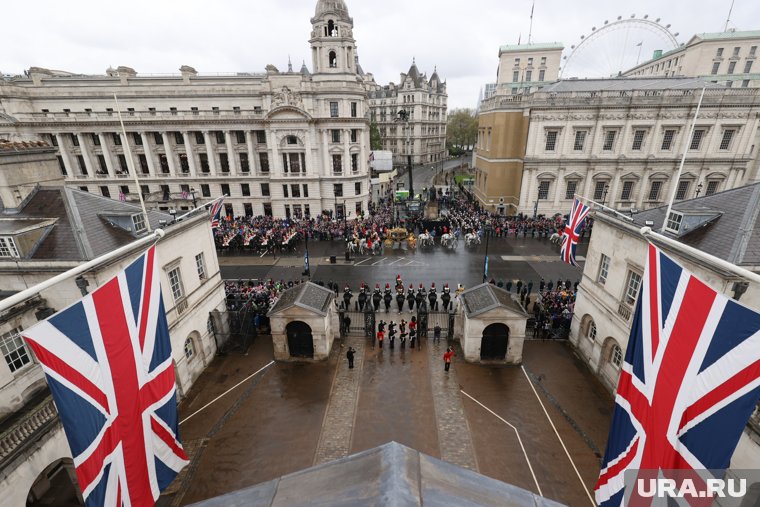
(300, 340)
(233, 330)
(361, 322)
(443, 319)
(494, 342)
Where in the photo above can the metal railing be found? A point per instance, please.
(624, 311)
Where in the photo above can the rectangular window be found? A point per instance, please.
(116, 139)
(295, 190)
(543, 190)
(354, 135)
(245, 189)
(654, 190)
(105, 192)
(674, 222)
(338, 190)
(8, 247)
(625, 195)
(551, 139)
(265, 189)
(74, 140)
(632, 287)
(200, 264)
(62, 165)
(667, 139)
(267, 209)
(719, 53)
(696, 139)
(95, 139)
(102, 164)
(580, 140)
(609, 140)
(600, 190)
(144, 190)
(14, 350)
(123, 164)
(179, 139)
(736, 51)
(528, 75)
(226, 189)
(715, 67)
(541, 75)
(355, 162)
(205, 190)
(285, 191)
(244, 167)
(143, 163)
(748, 67)
(712, 187)
(138, 221)
(261, 137)
(725, 142)
(240, 136)
(194, 110)
(354, 109)
(305, 190)
(358, 188)
(333, 109)
(731, 67)
(219, 136)
(604, 269)
(224, 162)
(175, 282)
(264, 162)
(137, 138)
(752, 51)
(337, 163)
(570, 190)
(638, 140)
(543, 60)
(248, 209)
(682, 190)
(335, 134)
(203, 159)
(515, 76)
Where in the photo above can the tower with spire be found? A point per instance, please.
(333, 48)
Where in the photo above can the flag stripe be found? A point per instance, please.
(146, 297)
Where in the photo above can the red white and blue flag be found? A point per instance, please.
(572, 232)
(109, 366)
(688, 384)
(216, 213)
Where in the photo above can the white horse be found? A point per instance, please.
(471, 239)
(363, 245)
(351, 247)
(448, 241)
(555, 238)
(425, 239)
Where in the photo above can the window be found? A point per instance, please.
(674, 222)
(570, 190)
(102, 164)
(728, 135)
(731, 67)
(335, 135)
(616, 356)
(179, 139)
(287, 211)
(543, 190)
(137, 138)
(83, 189)
(240, 136)
(517, 62)
(719, 53)
(354, 109)
(175, 282)
(338, 189)
(292, 140)
(333, 109)
(205, 190)
(245, 189)
(8, 247)
(138, 221)
(224, 162)
(199, 139)
(632, 286)
(189, 348)
(580, 140)
(736, 51)
(600, 190)
(696, 139)
(265, 189)
(285, 191)
(541, 75)
(337, 163)
(654, 190)
(515, 76)
(82, 165)
(261, 137)
(591, 332)
(194, 110)
(173, 111)
(203, 159)
(143, 163)
(200, 264)
(604, 269)
(682, 190)
(748, 66)
(144, 190)
(715, 67)
(264, 162)
(354, 135)
(74, 140)
(226, 189)
(355, 162)
(105, 192)
(219, 135)
(116, 139)
(305, 190)
(236, 109)
(638, 139)
(295, 190)
(358, 188)
(712, 187)
(95, 139)
(752, 51)
(248, 209)
(551, 139)
(244, 166)
(609, 140)
(267, 209)
(625, 195)
(667, 139)
(14, 350)
(543, 60)
(62, 165)
(528, 75)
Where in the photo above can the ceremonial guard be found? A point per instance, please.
(403, 334)
(376, 297)
(387, 298)
(400, 298)
(362, 298)
(433, 298)
(421, 294)
(446, 297)
(347, 295)
(391, 333)
(410, 297)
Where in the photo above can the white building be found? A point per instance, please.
(278, 143)
(723, 57)
(724, 225)
(425, 101)
(47, 229)
(526, 67)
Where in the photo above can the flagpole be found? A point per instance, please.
(647, 232)
(82, 268)
(199, 207)
(580, 197)
(677, 180)
(133, 169)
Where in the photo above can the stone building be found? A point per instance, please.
(425, 101)
(617, 141)
(724, 224)
(47, 228)
(526, 67)
(278, 143)
(723, 57)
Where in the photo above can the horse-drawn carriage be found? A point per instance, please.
(398, 236)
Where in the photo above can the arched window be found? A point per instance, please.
(189, 348)
(332, 30)
(591, 331)
(333, 59)
(616, 356)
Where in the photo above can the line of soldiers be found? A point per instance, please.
(410, 298)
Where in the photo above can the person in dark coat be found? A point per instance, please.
(420, 297)
(350, 356)
(376, 298)
(509, 285)
(549, 286)
(519, 286)
(530, 287)
(347, 295)
(541, 285)
(400, 299)
(410, 299)
(446, 297)
(391, 333)
(387, 298)
(362, 298)
(433, 299)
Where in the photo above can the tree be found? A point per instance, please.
(375, 140)
(462, 129)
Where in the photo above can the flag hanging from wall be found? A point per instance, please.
(572, 233)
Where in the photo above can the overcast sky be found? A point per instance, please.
(461, 38)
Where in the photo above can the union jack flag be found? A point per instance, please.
(216, 213)
(108, 363)
(572, 232)
(688, 384)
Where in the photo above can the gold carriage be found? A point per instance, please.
(399, 235)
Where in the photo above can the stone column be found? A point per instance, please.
(363, 158)
(107, 154)
(65, 155)
(326, 159)
(275, 164)
(558, 191)
(529, 199)
(307, 156)
(86, 154)
(612, 194)
(169, 153)
(231, 153)
(643, 188)
(588, 183)
(210, 154)
(190, 154)
(148, 151)
(347, 151)
(130, 161)
(253, 164)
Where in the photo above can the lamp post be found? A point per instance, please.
(192, 193)
(487, 230)
(604, 194)
(403, 116)
(699, 189)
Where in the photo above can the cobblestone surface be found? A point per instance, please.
(335, 437)
(453, 431)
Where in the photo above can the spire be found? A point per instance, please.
(290, 65)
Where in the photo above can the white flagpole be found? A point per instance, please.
(683, 161)
(132, 168)
(596, 204)
(82, 268)
(199, 207)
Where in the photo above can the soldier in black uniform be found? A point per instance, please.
(399, 283)
(421, 294)
(387, 298)
(402, 336)
(362, 298)
(376, 297)
(410, 297)
(391, 333)
(400, 298)
(433, 298)
(446, 297)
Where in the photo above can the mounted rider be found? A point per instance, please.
(446, 297)
(387, 297)
(421, 294)
(433, 298)
(410, 297)
(376, 297)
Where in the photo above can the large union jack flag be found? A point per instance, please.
(216, 213)
(109, 366)
(689, 382)
(572, 232)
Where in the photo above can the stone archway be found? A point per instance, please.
(300, 339)
(56, 485)
(494, 342)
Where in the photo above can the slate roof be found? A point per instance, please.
(486, 297)
(724, 224)
(80, 230)
(391, 474)
(308, 296)
(628, 84)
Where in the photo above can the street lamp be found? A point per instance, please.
(192, 193)
(604, 194)
(403, 116)
(487, 230)
(699, 189)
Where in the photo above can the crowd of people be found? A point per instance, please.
(553, 310)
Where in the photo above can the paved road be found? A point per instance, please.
(422, 175)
